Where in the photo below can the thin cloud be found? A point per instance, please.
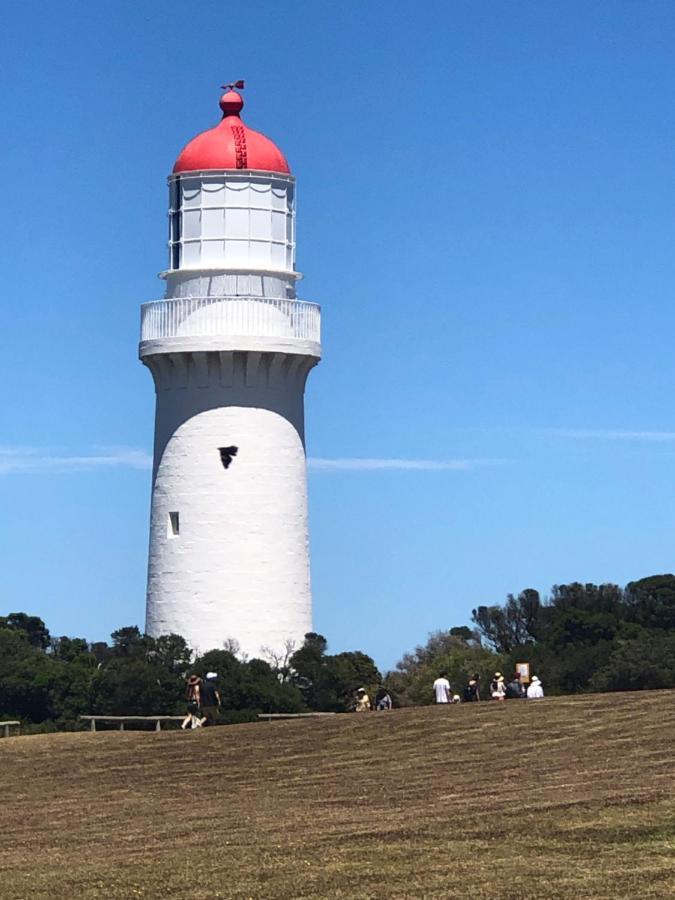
(365, 464)
(14, 460)
(609, 435)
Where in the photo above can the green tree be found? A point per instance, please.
(444, 652)
(171, 652)
(644, 663)
(252, 685)
(140, 675)
(328, 683)
(511, 625)
(73, 672)
(26, 675)
(34, 629)
(129, 641)
(129, 686)
(650, 602)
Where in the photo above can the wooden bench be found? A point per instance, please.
(122, 719)
(307, 715)
(6, 726)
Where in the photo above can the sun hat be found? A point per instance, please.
(193, 679)
(361, 691)
(498, 675)
(211, 674)
(535, 678)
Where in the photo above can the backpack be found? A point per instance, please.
(469, 693)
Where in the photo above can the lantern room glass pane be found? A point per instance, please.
(213, 193)
(259, 254)
(236, 223)
(191, 192)
(213, 222)
(260, 224)
(190, 254)
(278, 226)
(237, 194)
(279, 199)
(278, 256)
(236, 253)
(260, 195)
(191, 223)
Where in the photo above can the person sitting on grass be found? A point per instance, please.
(362, 701)
(382, 700)
(535, 691)
(514, 689)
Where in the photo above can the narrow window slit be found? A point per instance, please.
(174, 524)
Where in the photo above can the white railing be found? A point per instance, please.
(230, 317)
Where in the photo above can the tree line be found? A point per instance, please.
(581, 638)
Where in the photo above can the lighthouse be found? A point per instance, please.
(229, 348)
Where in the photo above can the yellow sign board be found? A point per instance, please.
(523, 669)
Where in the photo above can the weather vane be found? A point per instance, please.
(230, 87)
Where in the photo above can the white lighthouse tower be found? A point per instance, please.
(230, 348)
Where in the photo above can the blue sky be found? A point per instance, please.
(486, 203)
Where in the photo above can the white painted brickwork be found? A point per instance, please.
(239, 567)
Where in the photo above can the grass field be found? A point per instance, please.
(569, 797)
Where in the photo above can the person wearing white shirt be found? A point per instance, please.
(442, 689)
(535, 691)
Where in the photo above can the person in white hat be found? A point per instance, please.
(535, 691)
(498, 687)
(362, 701)
(209, 699)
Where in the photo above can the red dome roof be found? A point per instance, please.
(231, 145)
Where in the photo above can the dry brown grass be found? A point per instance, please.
(568, 798)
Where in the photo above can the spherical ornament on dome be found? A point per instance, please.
(231, 144)
(231, 103)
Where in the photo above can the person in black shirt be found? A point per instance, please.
(210, 699)
(471, 691)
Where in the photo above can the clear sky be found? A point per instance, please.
(486, 207)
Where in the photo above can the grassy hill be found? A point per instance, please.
(570, 797)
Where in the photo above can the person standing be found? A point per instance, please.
(210, 699)
(441, 689)
(192, 719)
(535, 690)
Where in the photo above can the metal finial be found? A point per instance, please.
(230, 87)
